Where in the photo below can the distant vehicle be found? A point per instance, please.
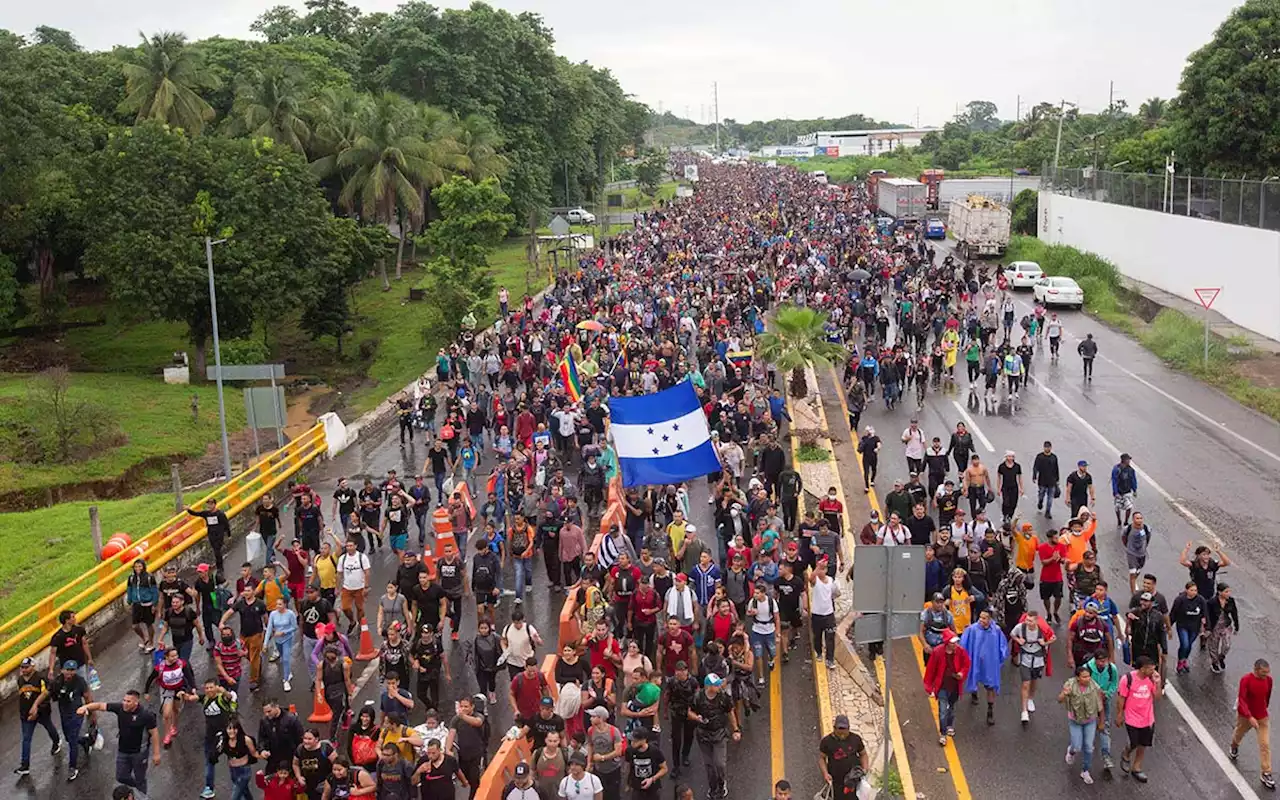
(935, 228)
(580, 216)
(1058, 291)
(979, 226)
(900, 198)
(819, 176)
(1023, 274)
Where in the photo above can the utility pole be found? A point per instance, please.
(1017, 115)
(1057, 148)
(1111, 98)
(217, 357)
(715, 92)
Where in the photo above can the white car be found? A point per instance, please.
(1023, 274)
(580, 216)
(1058, 291)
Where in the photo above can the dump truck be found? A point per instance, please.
(980, 227)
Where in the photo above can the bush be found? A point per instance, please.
(809, 453)
(1179, 340)
(60, 426)
(1025, 212)
(244, 351)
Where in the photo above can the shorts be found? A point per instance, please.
(168, 696)
(296, 589)
(764, 642)
(1049, 589)
(1124, 502)
(1136, 563)
(352, 597)
(144, 615)
(1140, 737)
(1030, 673)
(792, 619)
(400, 542)
(484, 597)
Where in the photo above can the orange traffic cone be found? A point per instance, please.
(293, 709)
(367, 652)
(320, 711)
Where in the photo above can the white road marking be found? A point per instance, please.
(1206, 738)
(1222, 426)
(973, 426)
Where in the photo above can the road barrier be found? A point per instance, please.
(27, 633)
(512, 751)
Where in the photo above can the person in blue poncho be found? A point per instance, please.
(987, 648)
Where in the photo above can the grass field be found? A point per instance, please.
(45, 549)
(154, 417)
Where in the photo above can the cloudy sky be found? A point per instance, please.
(891, 60)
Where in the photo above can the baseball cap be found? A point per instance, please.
(547, 701)
(712, 679)
(1092, 606)
(522, 770)
(599, 712)
(938, 597)
(202, 567)
(578, 758)
(841, 723)
(875, 514)
(680, 576)
(1008, 453)
(28, 662)
(1082, 463)
(71, 663)
(1147, 596)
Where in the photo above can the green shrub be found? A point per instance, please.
(809, 453)
(244, 351)
(1179, 340)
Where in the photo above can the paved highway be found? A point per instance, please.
(1208, 469)
(122, 666)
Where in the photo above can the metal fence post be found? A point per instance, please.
(176, 478)
(95, 531)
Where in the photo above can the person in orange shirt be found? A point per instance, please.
(1080, 537)
(1025, 545)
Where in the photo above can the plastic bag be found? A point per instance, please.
(95, 680)
(253, 546)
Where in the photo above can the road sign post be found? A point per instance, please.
(1206, 297)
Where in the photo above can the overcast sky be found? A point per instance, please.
(886, 59)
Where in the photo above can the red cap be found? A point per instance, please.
(680, 576)
(202, 568)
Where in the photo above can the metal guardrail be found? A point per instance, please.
(28, 632)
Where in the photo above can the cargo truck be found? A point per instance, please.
(902, 199)
(980, 227)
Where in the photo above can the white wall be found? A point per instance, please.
(1177, 254)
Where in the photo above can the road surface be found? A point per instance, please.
(180, 773)
(1208, 473)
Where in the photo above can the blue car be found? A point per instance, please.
(935, 229)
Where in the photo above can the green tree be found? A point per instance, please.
(797, 339)
(479, 141)
(278, 23)
(56, 37)
(1145, 153)
(650, 171)
(980, 115)
(1152, 111)
(473, 220)
(162, 83)
(1025, 212)
(9, 297)
(268, 104)
(1228, 104)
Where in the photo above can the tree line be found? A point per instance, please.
(302, 151)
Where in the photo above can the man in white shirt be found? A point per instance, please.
(354, 567)
(580, 784)
(821, 597)
(893, 532)
(913, 438)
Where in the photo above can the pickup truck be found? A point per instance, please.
(580, 216)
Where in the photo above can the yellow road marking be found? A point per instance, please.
(776, 753)
(899, 744)
(955, 768)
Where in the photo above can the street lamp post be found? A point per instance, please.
(217, 355)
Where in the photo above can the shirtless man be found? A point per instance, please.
(977, 484)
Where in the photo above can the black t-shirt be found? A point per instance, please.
(134, 726)
(268, 520)
(539, 727)
(346, 501)
(370, 502)
(1009, 478)
(715, 710)
(790, 591)
(314, 765)
(427, 603)
(1205, 578)
(450, 577)
(439, 459)
(429, 655)
(251, 615)
(182, 624)
(644, 765)
(1078, 487)
(69, 645)
(921, 528)
(168, 590)
(394, 780)
(68, 692)
(313, 613)
(437, 781)
(308, 520)
(469, 738)
(842, 754)
(28, 690)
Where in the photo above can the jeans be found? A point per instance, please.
(1082, 734)
(460, 539)
(420, 519)
(681, 738)
(946, 712)
(439, 477)
(524, 574)
(210, 761)
(1044, 497)
(184, 649)
(1186, 639)
(309, 647)
(71, 725)
(285, 644)
(29, 732)
(824, 633)
(268, 548)
(713, 758)
(240, 783)
(1104, 727)
(131, 769)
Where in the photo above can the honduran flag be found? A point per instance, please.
(569, 377)
(661, 438)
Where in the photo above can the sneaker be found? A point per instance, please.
(287, 686)
(1025, 717)
(1269, 781)
(454, 636)
(72, 775)
(1234, 752)
(149, 649)
(1031, 705)
(275, 656)
(760, 682)
(56, 748)
(1139, 776)
(831, 663)
(1071, 756)
(20, 771)
(1087, 778)
(208, 792)
(951, 732)
(1107, 763)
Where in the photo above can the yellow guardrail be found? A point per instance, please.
(28, 632)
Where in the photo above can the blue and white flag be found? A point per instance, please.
(662, 438)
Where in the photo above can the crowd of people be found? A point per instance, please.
(680, 629)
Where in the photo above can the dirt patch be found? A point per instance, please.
(1262, 370)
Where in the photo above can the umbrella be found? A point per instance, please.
(861, 274)
(591, 325)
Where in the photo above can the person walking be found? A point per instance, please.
(717, 717)
(34, 709)
(282, 631)
(1083, 701)
(1252, 714)
(1088, 350)
(1136, 710)
(945, 675)
(987, 648)
(70, 691)
(139, 737)
(1045, 474)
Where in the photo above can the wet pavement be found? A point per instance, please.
(1209, 469)
(792, 742)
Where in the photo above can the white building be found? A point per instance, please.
(863, 143)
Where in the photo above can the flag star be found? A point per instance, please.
(650, 431)
(655, 451)
(665, 438)
(679, 447)
(675, 426)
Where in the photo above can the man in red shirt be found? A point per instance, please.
(1053, 555)
(676, 644)
(645, 605)
(528, 688)
(1252, 714)
(603, 650)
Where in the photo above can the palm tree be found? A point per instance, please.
(267, 104)
(1152, 111)
(797, 339)
(480, 140)
(162, 82)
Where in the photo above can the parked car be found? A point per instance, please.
(1058, 291)
(580, 216)
(935, 228)
(1023, 274)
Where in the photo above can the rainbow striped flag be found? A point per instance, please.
(569, 377)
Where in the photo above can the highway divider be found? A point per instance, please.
(28, 632)
(512, 751)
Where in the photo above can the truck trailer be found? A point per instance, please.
(902, 199)
(979, 226)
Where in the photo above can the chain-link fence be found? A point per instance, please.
(1223, 199)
